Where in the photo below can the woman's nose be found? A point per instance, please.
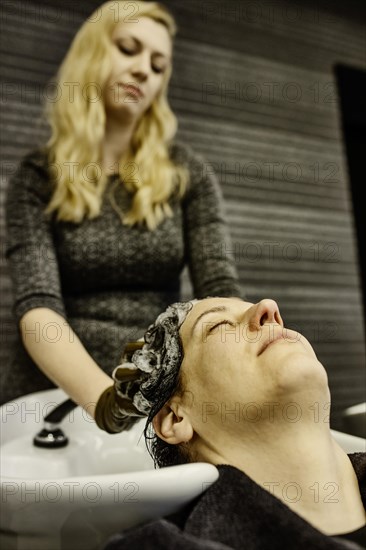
(141, 67)
(266, 311)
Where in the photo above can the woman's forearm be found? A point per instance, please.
(58, 352)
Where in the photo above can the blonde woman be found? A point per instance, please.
(103, 218)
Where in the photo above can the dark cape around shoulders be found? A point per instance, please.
(237, 513)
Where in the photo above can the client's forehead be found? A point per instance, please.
(201, 308)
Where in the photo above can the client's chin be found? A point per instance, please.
(296, 373)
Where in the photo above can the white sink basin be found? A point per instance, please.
(77, 496)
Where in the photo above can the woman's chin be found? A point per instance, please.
(300, 372)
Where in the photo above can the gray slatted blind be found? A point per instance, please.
(254, 92)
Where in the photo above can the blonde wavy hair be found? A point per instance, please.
(78, 129)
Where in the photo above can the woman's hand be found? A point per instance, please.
(115, 412)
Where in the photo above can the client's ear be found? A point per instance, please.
(172, 424)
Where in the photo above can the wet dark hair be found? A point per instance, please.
(158, 362)
(163, 453)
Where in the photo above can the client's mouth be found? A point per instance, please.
(270, 341)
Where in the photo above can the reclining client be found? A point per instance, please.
(223, 381)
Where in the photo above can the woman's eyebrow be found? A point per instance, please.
(214, 310)
(140, 43)
(211, 310)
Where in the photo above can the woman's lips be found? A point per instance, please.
(269, 342)
(131, 89)
(287, 335)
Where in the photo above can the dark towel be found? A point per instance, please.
(237, 513)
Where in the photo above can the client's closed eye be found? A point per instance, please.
(223, 322)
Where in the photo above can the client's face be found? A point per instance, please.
(237, 353)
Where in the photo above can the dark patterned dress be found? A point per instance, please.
(109, 281)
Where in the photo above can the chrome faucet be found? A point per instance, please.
(51, 436)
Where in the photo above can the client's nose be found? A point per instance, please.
(266, 311)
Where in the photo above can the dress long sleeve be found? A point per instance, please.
(208, 244)
(30, 249)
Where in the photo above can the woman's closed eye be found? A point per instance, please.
(223, 322)
(129, 51)
(125, 50)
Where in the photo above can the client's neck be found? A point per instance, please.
(303, 466)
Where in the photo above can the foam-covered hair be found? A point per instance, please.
(149, 378)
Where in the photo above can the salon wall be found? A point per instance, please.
(254, 92)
